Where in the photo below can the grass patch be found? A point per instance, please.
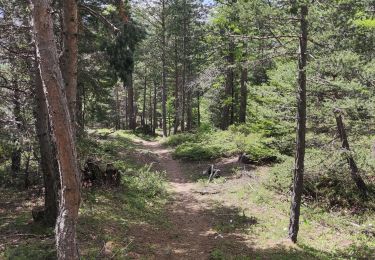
(105, 214)
(202, 146)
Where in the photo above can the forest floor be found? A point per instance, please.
(181, 215)
(233, 217)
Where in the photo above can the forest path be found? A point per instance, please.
(190, 217)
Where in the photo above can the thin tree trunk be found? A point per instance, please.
(301, 130)
(227, 113)
(144, 101)
(131, 112)
(126, 108)
(47, 146)
(62, 129)
(183, 91)
(70, 57)
(352, 164)
(117, 108)
(199, 107)
(27, 169)
(150, 110)
(154, 111)
(164, 72)
(17, 153)
(189, 112)
(243, 98)
(176, 93)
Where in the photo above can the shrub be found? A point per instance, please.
(217, 144)
(175, 140)
(327, 176)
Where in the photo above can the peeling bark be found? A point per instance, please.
(58, 110)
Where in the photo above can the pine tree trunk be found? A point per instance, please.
(352, 164)
(154, 110)
(17, 153)
(199, 108)
(58, 110)
(70, 57)
(164, 72)
(144, 101)
(243, 97)
(189, 112)
(47, 146)
(301, 130)
(131, 111)
(176, 93)
(126, 108)
(150, 109)
(227, 112)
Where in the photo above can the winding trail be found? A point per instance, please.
(190, 235)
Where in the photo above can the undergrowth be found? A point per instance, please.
(327, 178)
(212, 144)
(105, 214)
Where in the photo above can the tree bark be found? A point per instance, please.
(69, 66)
(150, 109)
(189, 112)
(154, 110)
(243, 98)
(352, 164)
(164, 72)
(131, 111)
(199, 108)
(58, 110)
(17, 153)
(301, 130)
(176, 93)
(144, 101)
(227, 113)
(126, 108)
(48, 161)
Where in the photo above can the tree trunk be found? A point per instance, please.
(27, 169)
(164, 72)
(58, 110)
(126, 108)
(176, 93)
(150, 109)
(144, 101)
(199, 107)
(227, 113)
(117, 109)
(243, 98)
(47, 146)
(352, 164)
(131, 112)
(189, 112)
(154, 110)
(301, 130)
(17, 153)
(70, 57)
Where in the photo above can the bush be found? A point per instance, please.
(197, 151)
(175, 140)
(327, 178)
(216, 144)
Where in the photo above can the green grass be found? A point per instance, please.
(323, 234)
(202, 146)
(105, 214)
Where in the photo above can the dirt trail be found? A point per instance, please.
(190, 235)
